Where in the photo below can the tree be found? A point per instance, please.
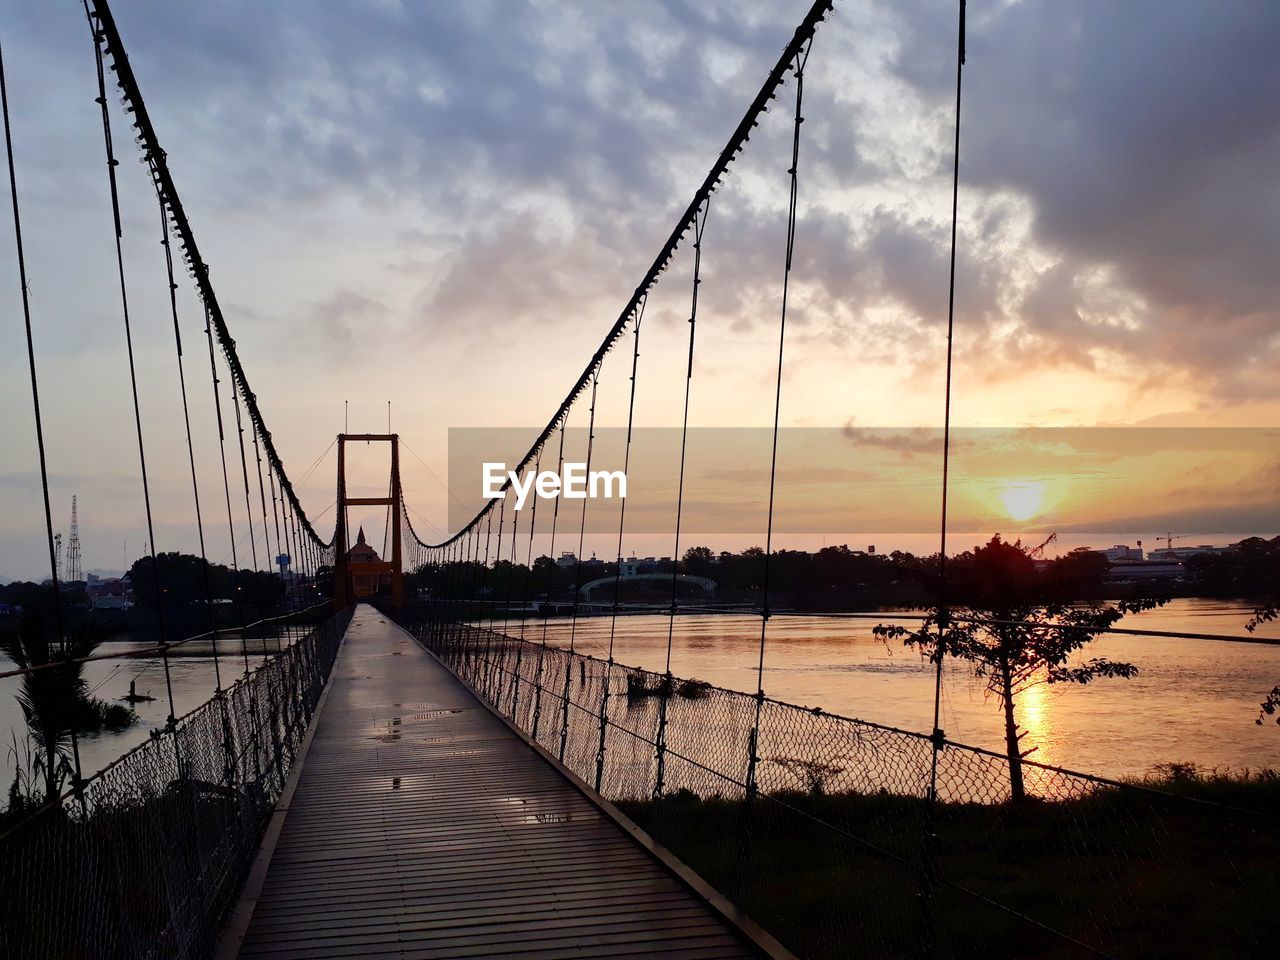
(1250, 569)
(1270, 707)
(698, 561)
(185, 579)
(55, 700)
(1017, 626)
(181, 579)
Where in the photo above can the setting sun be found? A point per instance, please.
(1022, 499)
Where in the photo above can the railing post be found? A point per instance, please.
(515, 681)
(537, 694)
(501, 652)
(660, 777)
(928, 853)
(753, 748)
(604, 721)
(255, 723)
(501, 678)
(287, 686)
(310, 672)
(490, 665)
(230, 768)
(274, 719)
(746, 868)
(564, 711)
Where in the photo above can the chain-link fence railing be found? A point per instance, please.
(146, 858)
(821, 827)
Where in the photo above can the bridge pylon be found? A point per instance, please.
(351, 580)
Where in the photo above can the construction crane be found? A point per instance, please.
(73, 547)
(1168, 539)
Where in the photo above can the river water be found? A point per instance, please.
(1192, 701)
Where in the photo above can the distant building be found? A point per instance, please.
(570, 559)
(1181, 553)
(1122, 553)
(109, 593)
(637, 567)
(370, 574)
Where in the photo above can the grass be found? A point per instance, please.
(1129, 872)
(639, 687)
(134, 876)
(94, 713)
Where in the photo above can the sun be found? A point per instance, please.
(1022, 499)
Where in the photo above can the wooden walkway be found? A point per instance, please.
(421, 826)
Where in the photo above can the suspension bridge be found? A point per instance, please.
(420, 773)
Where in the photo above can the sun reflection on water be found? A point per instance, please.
(1034, 712)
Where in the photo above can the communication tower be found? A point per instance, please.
(73, 547)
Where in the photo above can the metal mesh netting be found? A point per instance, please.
(147, 858)
(837, 850)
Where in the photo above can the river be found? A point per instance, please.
(1192, 701)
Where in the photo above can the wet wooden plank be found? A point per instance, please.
(421, 826)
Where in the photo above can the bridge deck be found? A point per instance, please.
(421, 826)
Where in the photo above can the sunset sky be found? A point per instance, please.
(445, 205)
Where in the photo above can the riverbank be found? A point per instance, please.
(1130, 872)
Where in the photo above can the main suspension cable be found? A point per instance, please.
(112, 163)
(107, 34)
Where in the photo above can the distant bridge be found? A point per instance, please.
(706, 584)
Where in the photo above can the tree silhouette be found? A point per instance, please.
(1270, 707)
(55, 700)
(1261, 558)
(1015, 622)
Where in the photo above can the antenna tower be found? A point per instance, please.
(57, 554)
(73, 547)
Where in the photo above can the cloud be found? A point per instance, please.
(1144, 139)
(342, 318)
(446, 192)
(905, 443)
(1118, 159)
